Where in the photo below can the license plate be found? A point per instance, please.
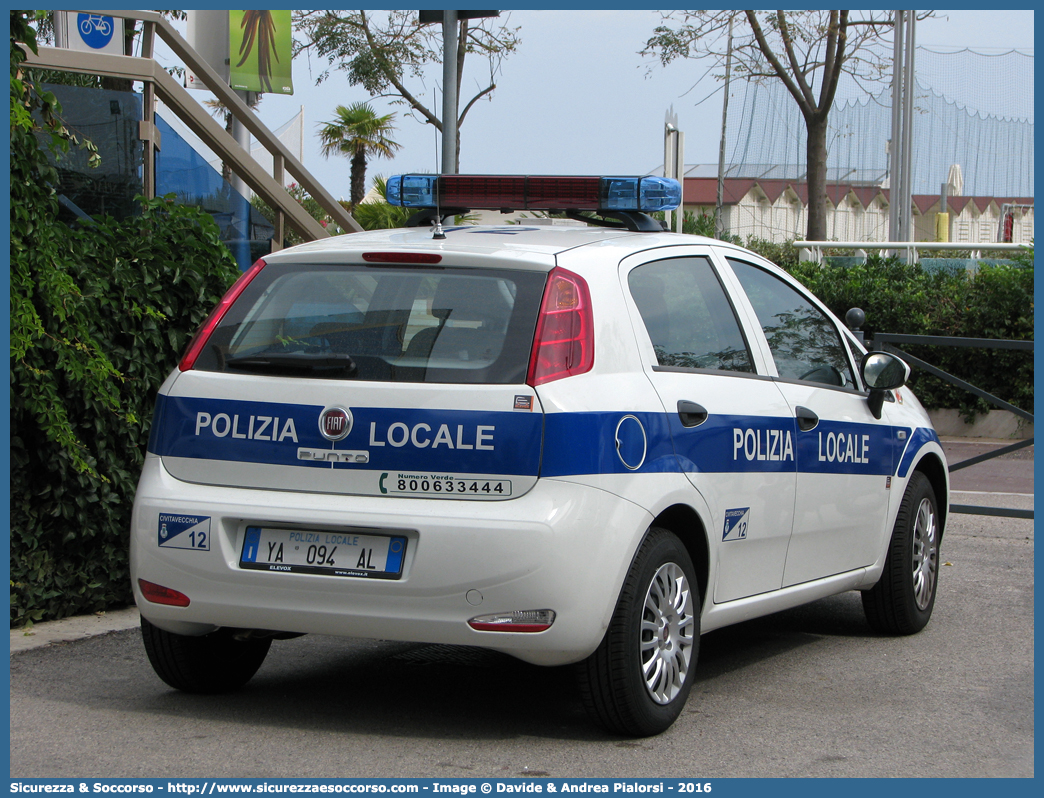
(328, 553)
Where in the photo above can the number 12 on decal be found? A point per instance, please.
(184, 532)
(736, 522)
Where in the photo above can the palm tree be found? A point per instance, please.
(358, 133)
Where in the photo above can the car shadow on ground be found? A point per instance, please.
(424, 691)
(746, 644)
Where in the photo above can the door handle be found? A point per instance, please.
(691, 414)
(806, 419)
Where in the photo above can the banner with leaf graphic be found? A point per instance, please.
(260, 51)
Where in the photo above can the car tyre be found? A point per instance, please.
(637, 680)
(901, 602)
(213, 663)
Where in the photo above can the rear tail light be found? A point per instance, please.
(203, 334)
(158, 594)
(518, 621)
(564, 341)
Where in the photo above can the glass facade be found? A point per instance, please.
(110, 120)
(182, 171)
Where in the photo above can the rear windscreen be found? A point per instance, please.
(381, 324)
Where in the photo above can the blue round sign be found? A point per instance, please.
(95, 30)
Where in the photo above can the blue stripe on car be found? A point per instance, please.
(527, 444)
(496, 443)
(918, 439)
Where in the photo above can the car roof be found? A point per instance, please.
(524, 246)
(546, 240)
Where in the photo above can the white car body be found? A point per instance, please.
(772, 516)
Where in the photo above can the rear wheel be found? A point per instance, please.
(637, 680)
(901, 602)
(213, 663)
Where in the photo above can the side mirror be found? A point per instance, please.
(882, 372)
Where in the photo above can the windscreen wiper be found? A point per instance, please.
(296, 363)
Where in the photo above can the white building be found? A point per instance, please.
(776, 210)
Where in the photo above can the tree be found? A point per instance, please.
(358, 133)
(807, 50)
(383, 53)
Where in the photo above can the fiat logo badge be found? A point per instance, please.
(335, 423)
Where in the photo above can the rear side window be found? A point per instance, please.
(381, 324)
(688, 316)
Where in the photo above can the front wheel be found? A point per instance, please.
(901, 602)
(213, 663)
(637, 680)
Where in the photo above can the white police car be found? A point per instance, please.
(571, 444)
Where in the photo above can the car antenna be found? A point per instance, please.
(438, 233)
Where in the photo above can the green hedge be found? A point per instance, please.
(995, 301)
(99, 316)
(145, 285)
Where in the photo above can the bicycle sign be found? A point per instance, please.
(95, 30)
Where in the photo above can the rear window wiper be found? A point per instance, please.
(296, 363)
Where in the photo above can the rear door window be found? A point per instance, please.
(381, 324)
(688, 316)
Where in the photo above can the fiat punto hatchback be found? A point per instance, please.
(570, 444)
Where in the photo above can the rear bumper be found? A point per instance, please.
(562, 546)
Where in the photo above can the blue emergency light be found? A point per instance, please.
(527, 192)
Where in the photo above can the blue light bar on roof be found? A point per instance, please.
(644, 194)
(412, 191)
(660, 194)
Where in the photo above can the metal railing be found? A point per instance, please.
(813, 250)
(886, 342)
(160, 85)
